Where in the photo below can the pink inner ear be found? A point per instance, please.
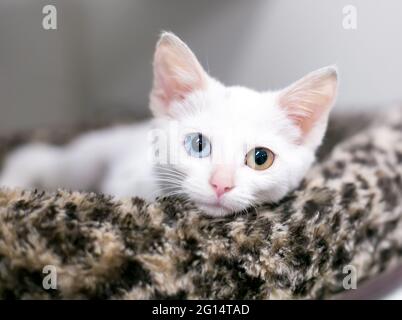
(308, 100)
(169, 87)
(305, 114)
(176, 72)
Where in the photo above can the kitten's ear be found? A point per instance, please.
(308, 102)
(177, 73)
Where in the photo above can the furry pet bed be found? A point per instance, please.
(348, 211)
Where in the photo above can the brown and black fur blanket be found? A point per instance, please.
(347, 212)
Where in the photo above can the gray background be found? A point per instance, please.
(98, 62)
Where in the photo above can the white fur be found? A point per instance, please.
(120, 160)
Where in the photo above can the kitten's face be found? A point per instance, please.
(231, 147)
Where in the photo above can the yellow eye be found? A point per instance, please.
(260, 158)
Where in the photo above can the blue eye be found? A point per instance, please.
(197, 145)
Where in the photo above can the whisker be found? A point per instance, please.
(162, 169)
(168, 180)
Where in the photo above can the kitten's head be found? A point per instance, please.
(232, 147)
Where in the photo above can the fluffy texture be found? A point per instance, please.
(347, 211)
(235, 120)
(151, 159)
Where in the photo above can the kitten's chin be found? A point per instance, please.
(214, 210)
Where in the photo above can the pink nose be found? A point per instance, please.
(222, 180)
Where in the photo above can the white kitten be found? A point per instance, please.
(224, 148)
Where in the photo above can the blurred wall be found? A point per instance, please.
(98, 61)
